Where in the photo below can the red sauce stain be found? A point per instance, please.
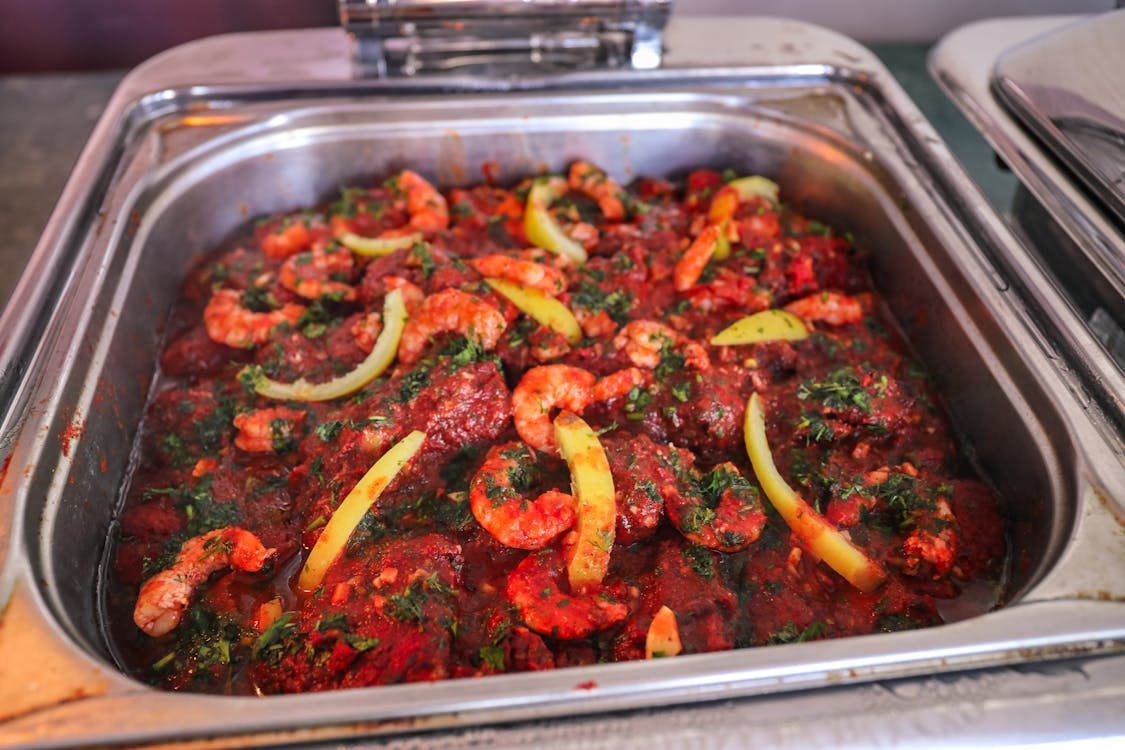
(588, 685)
(72, 432)
(134, 222)
(491, 172)
(102, 464)
(4, 467)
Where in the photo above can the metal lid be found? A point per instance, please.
(496, 37)
(1068, 88)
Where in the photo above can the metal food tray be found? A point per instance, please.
(1067, 208)
(204, 137)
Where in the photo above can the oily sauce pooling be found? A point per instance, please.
(489, 549)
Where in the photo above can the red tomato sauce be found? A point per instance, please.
(425, 589)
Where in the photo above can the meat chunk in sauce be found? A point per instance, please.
(438, 579)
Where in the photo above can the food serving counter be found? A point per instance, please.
(205, 136)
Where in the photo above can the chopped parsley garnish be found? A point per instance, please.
(839, 391)
(492, 657)
(421, 252)
(700, 560)
(269, 646)
(616, 304)
(789, 633)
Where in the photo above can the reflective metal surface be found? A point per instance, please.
(1074, 267)
(206, 136)
(502, 37)
(1068, 87)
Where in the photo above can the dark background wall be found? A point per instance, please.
(44, 35)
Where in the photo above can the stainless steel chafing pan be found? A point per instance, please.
(206, 136)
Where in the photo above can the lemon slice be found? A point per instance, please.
(541, 228)
(347, 516)
(822, 538)
(592, 486)
(767, 325)
(381, 356)
(546, 311)
(376, 246)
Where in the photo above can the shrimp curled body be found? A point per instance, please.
(523, 272)
(828, 307)
(646, 341)
(316, 273)
(267, 430)
(548, 387)
(228, 322)
(428, 209)
(165, 597)
(535, 589)
(450, 310)
(496, 496)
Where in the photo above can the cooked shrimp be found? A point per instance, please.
(594, 325)
(618, 384)
(534, 589)
(547, 345)
(524, 272)
(165, 597)
(646, 342)
(228, 322)
(545, 388)
(583, 233)
(691, 264)
(268, 430)
(828, 307)
(496, 496)
(723, 513)
(548, 387)
(289, 238)
(557, 261)
(586, 178)
(933, 541)
(450, 310)
(723, 205)
(412, 294)
(317, 273)
(366, 330)
(427, 207)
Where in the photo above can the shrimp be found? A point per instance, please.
(428, 208)
(228, 322)
(268, 430)
(524, 272)
(934, 542)
(545, 388)
(549, 387)
(594, 325)
(366, 330)
(412, 294)
(289, 238)
(165, 597)
(724, 514)
(647, 342)
(586, 178)
(830, 307)
(496, 496)
(618, 384)
(534, 590)
(315, 274)
(691, 264)
(450, 310)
